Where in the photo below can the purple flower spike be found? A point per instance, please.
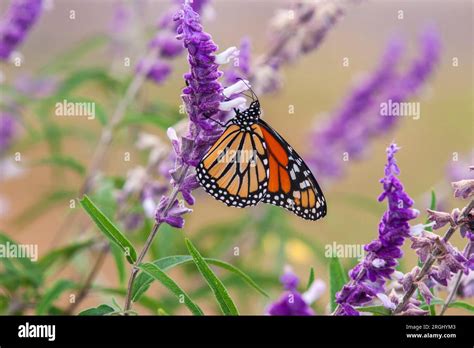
(292, 302)
(171, 215)
(158, 72)
(242, 70)
(369, 276)
(202, 98)
(289, 280)
(203, 94)
(361, 118)
(343, 132)
(19, 18)
(7, 131)
(165, 45)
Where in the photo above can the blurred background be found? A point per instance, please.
(36, 202)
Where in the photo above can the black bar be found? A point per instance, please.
(263, 330)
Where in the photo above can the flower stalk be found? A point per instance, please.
(425, 270)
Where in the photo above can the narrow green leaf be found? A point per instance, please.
(143, 281)
(103, 309)
(109, 229)
(237, 271)
(161, 121)
(454, 304)
(119, 262)
(337, 279)
(44, 204)
(220, 292)
(62, 161)
(99, 111)
(21, 270)
(463, 305)
(52, 294)
(432, 307)
(65, 60)
(432, 207)
(80, 77)
(62, 254)
(310, 279)
(171, 285)
(375, 310)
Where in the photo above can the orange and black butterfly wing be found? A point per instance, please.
(235, 169)
(290, 182)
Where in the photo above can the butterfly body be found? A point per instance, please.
(252, 163)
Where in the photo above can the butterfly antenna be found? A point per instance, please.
(250, 88)
(216, 121)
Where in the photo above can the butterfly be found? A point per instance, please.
(251, 163)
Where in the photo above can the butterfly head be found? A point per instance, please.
(250, 115)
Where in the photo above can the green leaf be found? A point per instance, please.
(376, 310)
(64, 61)
(118, 257)
(237, 271)
(143, 281)
(62, 254)
(80, 77)
(53, 135)
(432, 207)
(19, 271)
(433, 200)
(51, 295)
(454, 304)
(171, 285)
(104, 197)
(362, 202)
(162, 121)
(98, 109)
(463, 305)
(103, 309)
(62, 161)
(43, 205)
(310, 279)
(109, 229)
(337, 279)
(220, 292)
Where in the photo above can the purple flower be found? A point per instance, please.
(459, 170)
(410, 83)
(203, 98)
(36, 87)
(360, 118)
(120, 19)
(242, 69)
(293, 37)
(337, 134)
(165, 46)
(171, 213)
(158, 71)
(292, 302)
(463, 189)
(369, 276)
(466, 288)
(168, 46)
(7, 131)
(18, 20)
